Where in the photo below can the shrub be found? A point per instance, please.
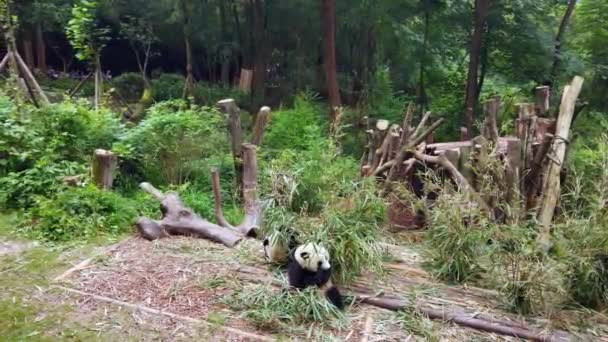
(209, 94)
(81, 213)
(295, 128)
(130, 86)
(174, 141)
(168, 87)
(18, 189)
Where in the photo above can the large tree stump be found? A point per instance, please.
(177, 219)
(102, 170)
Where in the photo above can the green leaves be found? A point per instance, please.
(86, 37)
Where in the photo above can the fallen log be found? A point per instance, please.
(177, 219)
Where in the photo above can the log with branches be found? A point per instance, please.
(177, 219)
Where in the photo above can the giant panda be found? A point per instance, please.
(309, 266)
(275, 249)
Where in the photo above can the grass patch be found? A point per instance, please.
(268, 310)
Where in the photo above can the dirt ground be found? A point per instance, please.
(178, 289)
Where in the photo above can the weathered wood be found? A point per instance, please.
(30, 78)
(551, 188)
(75, 90)
(405, 150)
(245, 80)
(464, 134)
(252, 207)
(260, 125)
(490, 127)
(421, 124)
(177, 219)
(465, 319)
(543, 100)
(229, 107)
(103, 167)
(407, 122)
(4, 62)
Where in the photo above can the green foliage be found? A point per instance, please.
(174, 141)
(84, 33)
(130, 85)
(18, 189)
(269, 310)
(168, 87)
(81, 213)
(41, 146)
(383, 101)
(456, 238)
(295, 128)
(413, 322)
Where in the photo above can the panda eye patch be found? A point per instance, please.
(319, 263)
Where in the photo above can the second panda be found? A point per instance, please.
(309, 266)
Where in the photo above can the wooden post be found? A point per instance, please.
(512, 178)
(551, 187)
(543, 100)
(490, 128)
(260, 125)
(229, 107)
(104, 163)
(245, 81)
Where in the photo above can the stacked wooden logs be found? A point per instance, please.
(527, 156)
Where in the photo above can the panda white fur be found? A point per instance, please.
(309, 266)
(275, 249)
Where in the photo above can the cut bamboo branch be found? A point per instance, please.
(422, 123)
(543, 100)
(551, 188)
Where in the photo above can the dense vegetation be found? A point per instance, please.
(174, 60)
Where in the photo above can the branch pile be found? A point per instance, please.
(531, 158)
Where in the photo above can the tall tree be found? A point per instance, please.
(88, 38)
(328, 23)
(559, 38)
(481, 13)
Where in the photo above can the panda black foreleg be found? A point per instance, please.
(334, 296)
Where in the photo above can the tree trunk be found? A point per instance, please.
(28, 51)
(225, 59)
(260, 53)
(481, 12)
(189, 85)
(558, 38)
(40, 49)
(98, 81)
(421, 91)
(328, 24)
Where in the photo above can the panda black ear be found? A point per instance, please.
(266, 242)
(304, 255)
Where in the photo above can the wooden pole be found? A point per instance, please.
(104, 164)
(228, 106)
(30, 78)
(551, 187)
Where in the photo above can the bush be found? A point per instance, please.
(81, 213)
(129, 85)
(168, 87)
(295, 128)
(174, 142)
(210, 94)
(41, 146)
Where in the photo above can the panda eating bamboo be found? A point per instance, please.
(307, 265)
